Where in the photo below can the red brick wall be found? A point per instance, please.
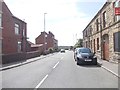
(9, 44)
(10, 40)
(22, 28)
(40, 39)
(49, 40)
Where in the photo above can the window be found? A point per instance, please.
(23, 32)
(17, 29)
(97, 24)
(94, 45)
(0, 20)
(19, 46)
(90, 29)
(104, 19)
(86, 43)
(91, 44)
(45, 35)
(116, 4)
(0, 46)
(117, 41)
(97, 43)
(84, 33)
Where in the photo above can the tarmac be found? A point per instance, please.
(111, 67)
(13, 65)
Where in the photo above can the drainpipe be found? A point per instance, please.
(101, 37)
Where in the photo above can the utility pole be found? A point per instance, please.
(101, 37)
(44, 34)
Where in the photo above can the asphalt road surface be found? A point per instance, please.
(58, 71)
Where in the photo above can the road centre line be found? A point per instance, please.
(41, 82)
(56, 64)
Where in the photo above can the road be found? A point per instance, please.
(58, 71)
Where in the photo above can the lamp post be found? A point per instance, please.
(44, 34)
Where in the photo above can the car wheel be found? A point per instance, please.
(75, 60)
(77, 63)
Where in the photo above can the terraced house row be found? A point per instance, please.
(102, 34)
(14, 44)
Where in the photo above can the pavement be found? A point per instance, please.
(16, 64)
(109, 66)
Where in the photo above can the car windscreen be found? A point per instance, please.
(84, 50)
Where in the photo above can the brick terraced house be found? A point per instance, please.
(14, 32)
(13, 36)
(47, 40)
(102, 34)
(0, 30)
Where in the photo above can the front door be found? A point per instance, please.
(106, 47)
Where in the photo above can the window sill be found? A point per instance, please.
(17, 34)
(117, 53)
(98, 51)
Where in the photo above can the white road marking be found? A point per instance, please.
(56, 64)
(41, 82)
(111, 71)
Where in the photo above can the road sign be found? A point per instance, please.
(117, 10)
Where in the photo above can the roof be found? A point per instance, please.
(41, 34)
(106, 3)
(36, 45)
(30, 43)
(19, 19)
(3, 3)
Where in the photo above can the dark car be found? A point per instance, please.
(85, 56)
(62, 50)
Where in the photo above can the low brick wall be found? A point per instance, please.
(32, 54)
(10, 58)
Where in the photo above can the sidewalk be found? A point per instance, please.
(109, 66)
(12, 65)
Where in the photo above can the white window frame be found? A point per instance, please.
(24, 32)
(0, 20)
(19, 46)
(17, 29)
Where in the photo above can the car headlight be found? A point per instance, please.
(79, 56)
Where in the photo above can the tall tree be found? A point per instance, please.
(79, 43)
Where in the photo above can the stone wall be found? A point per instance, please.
(111, 28)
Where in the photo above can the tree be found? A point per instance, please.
(79, 43)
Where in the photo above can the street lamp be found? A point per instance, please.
(44, 34)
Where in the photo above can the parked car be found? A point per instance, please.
(85, 56)
(62, 50)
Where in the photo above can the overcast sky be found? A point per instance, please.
(65, 18)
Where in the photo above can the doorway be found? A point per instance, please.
(106, 47)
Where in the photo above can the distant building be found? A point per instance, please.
(47, 40)
(64, 47)
(102, 34)
(14, 32)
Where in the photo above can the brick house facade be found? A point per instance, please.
(102, 34)
(0, 31)
(13, 33)
(48, 38)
